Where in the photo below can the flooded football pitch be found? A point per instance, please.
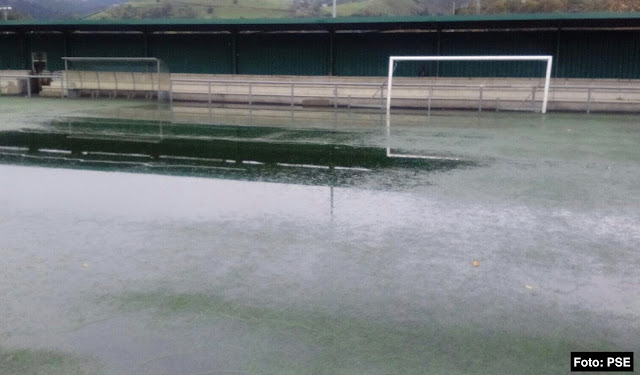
(135, 240)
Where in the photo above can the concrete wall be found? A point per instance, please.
(11, 85)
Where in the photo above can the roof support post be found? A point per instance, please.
(145, 38)
(234, 52)
(331, 54)
(25, 51)
(557, 54)
(438, 43)
(65, 43)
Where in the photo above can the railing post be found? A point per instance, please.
(292, 95)
(98, 80)
(171, 94)
(382, 96)
(349, 102)
(250, 93)
(133, 82)
(29, 86)
(153, 86)
(0, 85)
(64, 83)
(115, 79)
(533, 96)
(497, 104)
(589, 100)
(209, 98)
(335, 96)
(480, 101)
(81, 85)
(429, 101)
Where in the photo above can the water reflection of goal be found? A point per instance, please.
(392, 65)
(115, 77)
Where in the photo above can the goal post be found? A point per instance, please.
(131, 76)
(543, 58)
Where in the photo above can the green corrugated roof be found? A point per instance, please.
(493, 20)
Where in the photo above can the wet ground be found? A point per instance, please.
(139, 241)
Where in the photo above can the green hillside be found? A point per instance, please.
(220, 9)
(202, 9)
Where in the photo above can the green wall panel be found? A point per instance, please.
(495, 43)
(53, 45)
(599, 54)
(580, 54)
(193, 53)
(283, 54)
(367, 54)
(107, 45)
(12, 52)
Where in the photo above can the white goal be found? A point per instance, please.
(546, 59)
(116, 76)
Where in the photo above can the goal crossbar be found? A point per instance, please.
(547, 58)
(112, 59)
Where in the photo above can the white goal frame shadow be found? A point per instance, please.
(393, 59)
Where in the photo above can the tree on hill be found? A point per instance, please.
(16, 16)
(389, 8)
(623, 5)
(546, 6)
(166, 10)
(305, 8)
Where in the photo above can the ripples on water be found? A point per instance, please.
(285, 267)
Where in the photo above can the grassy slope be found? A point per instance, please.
(243, 8)
(221, 8)
(357, 7)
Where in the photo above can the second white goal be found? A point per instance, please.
(529, 97)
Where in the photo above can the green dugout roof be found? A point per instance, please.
(498, 21)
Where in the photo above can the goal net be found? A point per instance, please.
(126, 77)
(481, 93)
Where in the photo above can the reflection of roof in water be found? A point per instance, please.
(234, 152)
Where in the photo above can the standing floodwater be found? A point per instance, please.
(282, 250)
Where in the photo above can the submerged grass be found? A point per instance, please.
(43, 362)
(363, 346)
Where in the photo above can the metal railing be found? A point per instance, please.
(292, 87)
(145, 83)
(528, 95)
(370, 94)
(339, 93)
(27, 78)
(591, 91)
